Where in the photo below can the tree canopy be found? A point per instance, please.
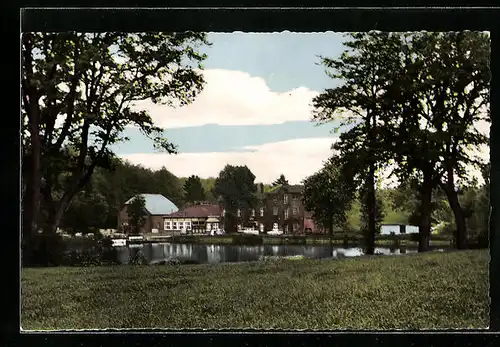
(411, 103)
(80, 91)
(235, 189)
(193, 190)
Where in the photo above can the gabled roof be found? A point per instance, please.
(199, 211)
(295, 188)
(157, 204)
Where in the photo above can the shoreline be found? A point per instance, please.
(242, 239)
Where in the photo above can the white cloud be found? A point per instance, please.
(235, 98)
(296, 159)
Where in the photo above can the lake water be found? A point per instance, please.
(202, 254)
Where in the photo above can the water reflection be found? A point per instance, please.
(160, 252)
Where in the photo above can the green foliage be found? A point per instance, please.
(96, 84)
(413, 101)
(422, 291)
(193, 190)
(235, 189)
(379, 211)
(328, 194)
(87, 213)
(136, 211)
(281, 181)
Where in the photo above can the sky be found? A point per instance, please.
(255, 110)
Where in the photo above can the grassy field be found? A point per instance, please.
(418, 291)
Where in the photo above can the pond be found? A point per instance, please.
(155, 253)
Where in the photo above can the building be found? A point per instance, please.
(196, 219)
(157, 206)
(398, 229)
(282, 206)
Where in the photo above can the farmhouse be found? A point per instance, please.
(197, 219)
(157, 206)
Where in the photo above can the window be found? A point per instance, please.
(174, 225)
(295, 226)
(296, 198)
(261, 227)
(239, 213)
(181, 225)
(253, 212)
(262, 211)
(295, 210)
(167, 225)
(286, 228)
(285, 198)
(286, 213)
(275, 211)
(187, 225)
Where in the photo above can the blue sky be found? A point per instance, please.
(254, 111)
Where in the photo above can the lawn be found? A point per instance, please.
(417, 291)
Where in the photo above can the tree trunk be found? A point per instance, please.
(452, 195)
(330, 231)
(370, 205)
(425, 215)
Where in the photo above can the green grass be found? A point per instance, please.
(418, 291)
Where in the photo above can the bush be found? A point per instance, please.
(43, 250)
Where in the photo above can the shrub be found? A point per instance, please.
(43, 250)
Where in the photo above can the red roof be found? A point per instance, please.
(198, 211)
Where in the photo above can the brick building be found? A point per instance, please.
(282, 206)
(157, 206)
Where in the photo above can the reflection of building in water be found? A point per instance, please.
(214, 254)
(347, 252)
(122, 255)
(275, 250)
(157, 252)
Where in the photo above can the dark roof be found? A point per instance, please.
(295, 188)
(198, 211)
(156, 204)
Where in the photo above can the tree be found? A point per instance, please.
(235, 189)
(79, 91)
(442, 91)
(362, 71)
(328, 194)
(365, 211)
(136, 211)
(87, 213)
(193, 190)
(280, 181)
(168, 185)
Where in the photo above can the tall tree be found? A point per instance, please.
(193, 190)
(328, 194)
(441, 90)
(235, 189)
(362, 71)
(79, 91)
(136, 211)
(281, 181)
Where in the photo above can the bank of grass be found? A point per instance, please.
(418, 291)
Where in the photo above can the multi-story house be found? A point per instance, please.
(282, 206)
